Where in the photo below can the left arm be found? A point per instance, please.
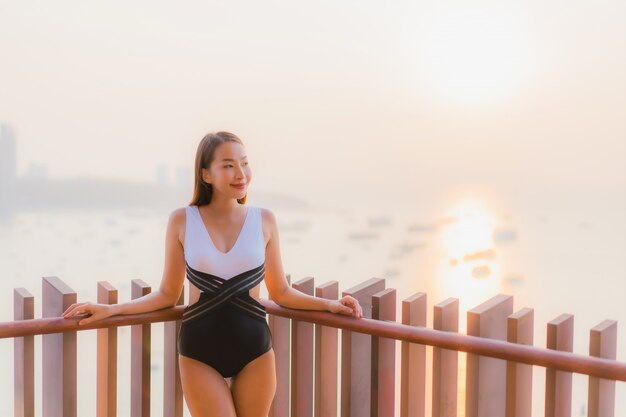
(287, 296)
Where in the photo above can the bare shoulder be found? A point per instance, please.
(176, 222)
(178, 215)
(267, 215)
(269, 223)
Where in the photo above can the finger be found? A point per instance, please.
(79, 307)
(70, 308)
(352, 305)
(82, 311)
(87, 320)
(344, 308)
(71, 311)
(67, 310)
(350, 302)
(356, 307)
(78, 310)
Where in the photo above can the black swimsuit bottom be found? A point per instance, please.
(226, 328)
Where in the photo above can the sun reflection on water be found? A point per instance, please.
(468, 268)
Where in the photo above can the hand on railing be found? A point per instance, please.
(96, 311)
(347, 305)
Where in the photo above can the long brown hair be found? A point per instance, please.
(202, 191)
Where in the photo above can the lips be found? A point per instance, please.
(240, 186)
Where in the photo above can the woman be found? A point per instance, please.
(225, 248)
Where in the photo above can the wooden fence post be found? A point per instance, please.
(413, 360)
(172, 386)
(106, 374)
(356, 356)
(559, 383)
(302, 359)
(280, 327)
(140, 359)
(23, 357)
(445, 362)
(59, 353)
(383, 357)
(485, 386)
(602, 344)
(519, 376)
(326, 358)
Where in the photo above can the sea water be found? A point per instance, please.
(554, 254)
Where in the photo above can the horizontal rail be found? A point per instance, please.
(602, 368)
(59, 324)
(565, 361)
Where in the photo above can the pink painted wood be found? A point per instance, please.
(140, 359)
(59, 353)
(485, 387)
(559, 383)
(383, 357)
(172, 386)
(302, 359)
(356, 355)
(413, 360)
(280, 327)
(326, 359)
(602, 344)
(106, 372)
(501, 349)
(23, 357)
(445, 362)
(519, 377)
(571, 362)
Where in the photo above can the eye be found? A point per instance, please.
(227, 166)
(245, 163)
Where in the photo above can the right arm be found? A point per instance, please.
(169, 291)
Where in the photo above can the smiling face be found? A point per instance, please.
(229, 173)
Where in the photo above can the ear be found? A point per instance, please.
(206, 175)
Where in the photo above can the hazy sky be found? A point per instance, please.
(362, 100)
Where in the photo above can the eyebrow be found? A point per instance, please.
(230, 159)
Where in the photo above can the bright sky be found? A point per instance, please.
(356, 100)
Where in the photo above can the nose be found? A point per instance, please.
(239, 173)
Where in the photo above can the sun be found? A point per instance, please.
(472, 55)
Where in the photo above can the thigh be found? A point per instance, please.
(206, 392)
(254, 386)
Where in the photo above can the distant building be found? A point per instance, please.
(184, 176)
(36, 172)
(36, 191)
(8, 167)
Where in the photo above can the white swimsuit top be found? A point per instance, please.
(202, 255)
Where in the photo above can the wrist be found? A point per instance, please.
(113, 309)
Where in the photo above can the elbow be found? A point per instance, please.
(279, 297)
(169, 300)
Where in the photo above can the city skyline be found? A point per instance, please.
(38, 170)
(36, 190)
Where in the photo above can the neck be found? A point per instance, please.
(221, 205)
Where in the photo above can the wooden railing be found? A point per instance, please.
(498, 343)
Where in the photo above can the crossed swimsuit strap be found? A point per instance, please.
(234, 290)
